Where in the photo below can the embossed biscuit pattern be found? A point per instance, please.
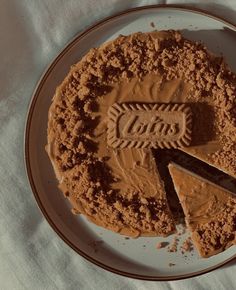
(158, 134)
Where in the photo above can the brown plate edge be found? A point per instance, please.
(27, 133)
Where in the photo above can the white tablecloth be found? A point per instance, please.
(32, 256)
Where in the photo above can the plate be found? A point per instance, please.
(137, 258)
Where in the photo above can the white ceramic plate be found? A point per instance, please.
(136, 258)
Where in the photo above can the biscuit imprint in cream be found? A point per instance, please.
(149, 125)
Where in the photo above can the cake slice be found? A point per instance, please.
(210, 211)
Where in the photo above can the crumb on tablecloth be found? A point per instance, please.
(171, 264)
(152, 24)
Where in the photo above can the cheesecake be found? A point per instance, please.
(209, 209)
(113, 179)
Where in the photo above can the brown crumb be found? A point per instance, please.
(173, 246)
(187, 246)
(152, 24)
(162, 245)
(171, 264)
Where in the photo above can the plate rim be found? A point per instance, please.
(30, 112)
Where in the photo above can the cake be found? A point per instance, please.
(119, 187)
(210, 211)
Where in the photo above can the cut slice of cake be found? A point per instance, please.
(210, 211)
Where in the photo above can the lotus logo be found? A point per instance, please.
(149, 125)
(137, 127)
